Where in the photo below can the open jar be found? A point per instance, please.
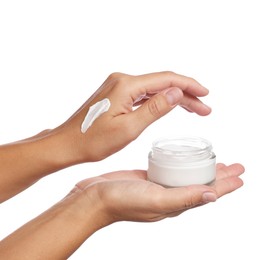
(182, 161)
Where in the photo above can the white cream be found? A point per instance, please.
(94, 112)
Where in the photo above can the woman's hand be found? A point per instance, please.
(155, 94)
(127, 195)
(97, 202)
(52, 150)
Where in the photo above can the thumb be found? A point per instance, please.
(156, 107)
(183, 198)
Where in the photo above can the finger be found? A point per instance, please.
(227, 185)
(156, 82)
(220, 165)
(229, 171)
(179, 199)
(193, 104)
(154, 108)
(188, 102)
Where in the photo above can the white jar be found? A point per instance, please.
(182, 161)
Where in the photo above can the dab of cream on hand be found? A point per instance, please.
(94, 112)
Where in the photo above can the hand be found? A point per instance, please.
(97, 202)
(55, 149)
(127, 195)
(155, 94)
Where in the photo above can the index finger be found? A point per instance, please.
(235, 169)
(159, 81)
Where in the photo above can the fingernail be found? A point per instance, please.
(209, 197)
(208, 107)
(173, 96)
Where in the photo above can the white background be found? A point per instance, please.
(55, 54)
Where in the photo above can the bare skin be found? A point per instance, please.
(55, 149)
(100, 201)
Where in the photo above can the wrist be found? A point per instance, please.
(57, 150)
(56, 233)
(87, 209)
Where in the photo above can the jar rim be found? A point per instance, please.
(182, 146)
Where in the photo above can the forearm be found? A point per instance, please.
(25, 162)
(56, 233)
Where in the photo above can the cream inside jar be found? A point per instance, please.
(182, 161)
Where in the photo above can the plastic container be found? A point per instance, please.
(182, 161)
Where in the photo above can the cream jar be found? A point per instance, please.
(182, 161)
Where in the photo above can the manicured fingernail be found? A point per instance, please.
(209, 197)
(173, 96)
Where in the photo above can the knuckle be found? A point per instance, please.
(188, 203)
(191, 79)
(116, 76)
(154, 107)
(191, 199)
(119, 80)
(121, 83)
(169, 73)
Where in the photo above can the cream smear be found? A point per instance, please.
(94, 112)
